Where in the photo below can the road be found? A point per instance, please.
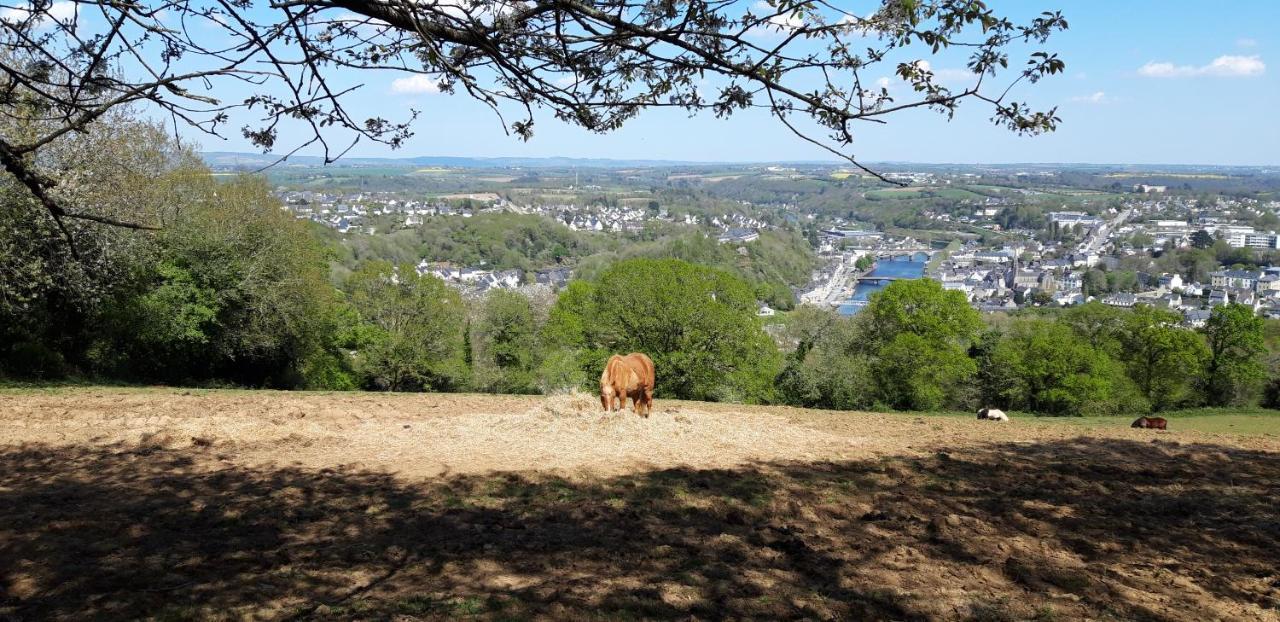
(1094, 242)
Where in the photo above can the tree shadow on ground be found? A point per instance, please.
(1057, 530)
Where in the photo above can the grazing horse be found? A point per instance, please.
(627, 376)
(1151, 423)
(644, 366)
(992, 414)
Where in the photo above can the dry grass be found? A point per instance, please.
(433, 434)
(161, 504)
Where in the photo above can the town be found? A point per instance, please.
(1006, 239)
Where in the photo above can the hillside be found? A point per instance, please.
(180, 504)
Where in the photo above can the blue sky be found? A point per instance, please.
(1146, 83)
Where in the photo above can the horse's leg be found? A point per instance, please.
(648, 401)
(604, 400)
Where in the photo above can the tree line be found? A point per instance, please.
(233, 290)
(919, 347)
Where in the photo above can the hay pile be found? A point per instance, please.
(571, 432)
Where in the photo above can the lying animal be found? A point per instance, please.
(992, 414)
(627, 376)
(1151, 423)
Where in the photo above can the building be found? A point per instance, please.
(1025, 279)
(1234, 279)
(1169, 225)
(1071, 219)
(1268, 241)
(1195, 318)
(1120, 300)
(1170, 282)
(738, 236)
(852, 234)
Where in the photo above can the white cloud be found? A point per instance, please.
(1095, 98)
(1226, 66)
(1237, 66)
(62, 11)
(1246, 42)
(415, 85)
(882, 83)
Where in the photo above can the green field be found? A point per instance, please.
(1249, 421)
(923, 193)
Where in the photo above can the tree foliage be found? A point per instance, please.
(1045, 367)
(1234, 371)
(1159, 354)
(919, 335)
(410, 329)
(505, 344)
(697, 323)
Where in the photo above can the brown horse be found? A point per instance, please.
(1151, 423)
(644, 367)
(627, 376)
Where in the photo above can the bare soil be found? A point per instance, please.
(172, 504)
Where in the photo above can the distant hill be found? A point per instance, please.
(232, 160)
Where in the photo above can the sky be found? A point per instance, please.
(1147, 82)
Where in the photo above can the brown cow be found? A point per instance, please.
(627, 376)
(1152, 423)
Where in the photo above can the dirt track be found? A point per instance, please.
(165, 504)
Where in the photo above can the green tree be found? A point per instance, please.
(413, 329)
(1234, 371)
(1044, 366)
(1202, 239)
(1094, 283)
(1159, 355)
(1141, 240)
(234, 289)
(825, 367)
(914, 373)
(1102, 326)
(697, 323)
(506, 345)
(918, 335)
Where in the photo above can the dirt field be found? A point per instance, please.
(173, 504)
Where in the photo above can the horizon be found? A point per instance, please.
(403, 157)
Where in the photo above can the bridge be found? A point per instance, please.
(887, 278)
(883, 252)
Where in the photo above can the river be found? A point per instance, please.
(900, 267)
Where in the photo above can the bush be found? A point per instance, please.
(34, 360)
(561, 372)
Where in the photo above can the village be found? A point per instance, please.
(1032, 271)
(1064, 262)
